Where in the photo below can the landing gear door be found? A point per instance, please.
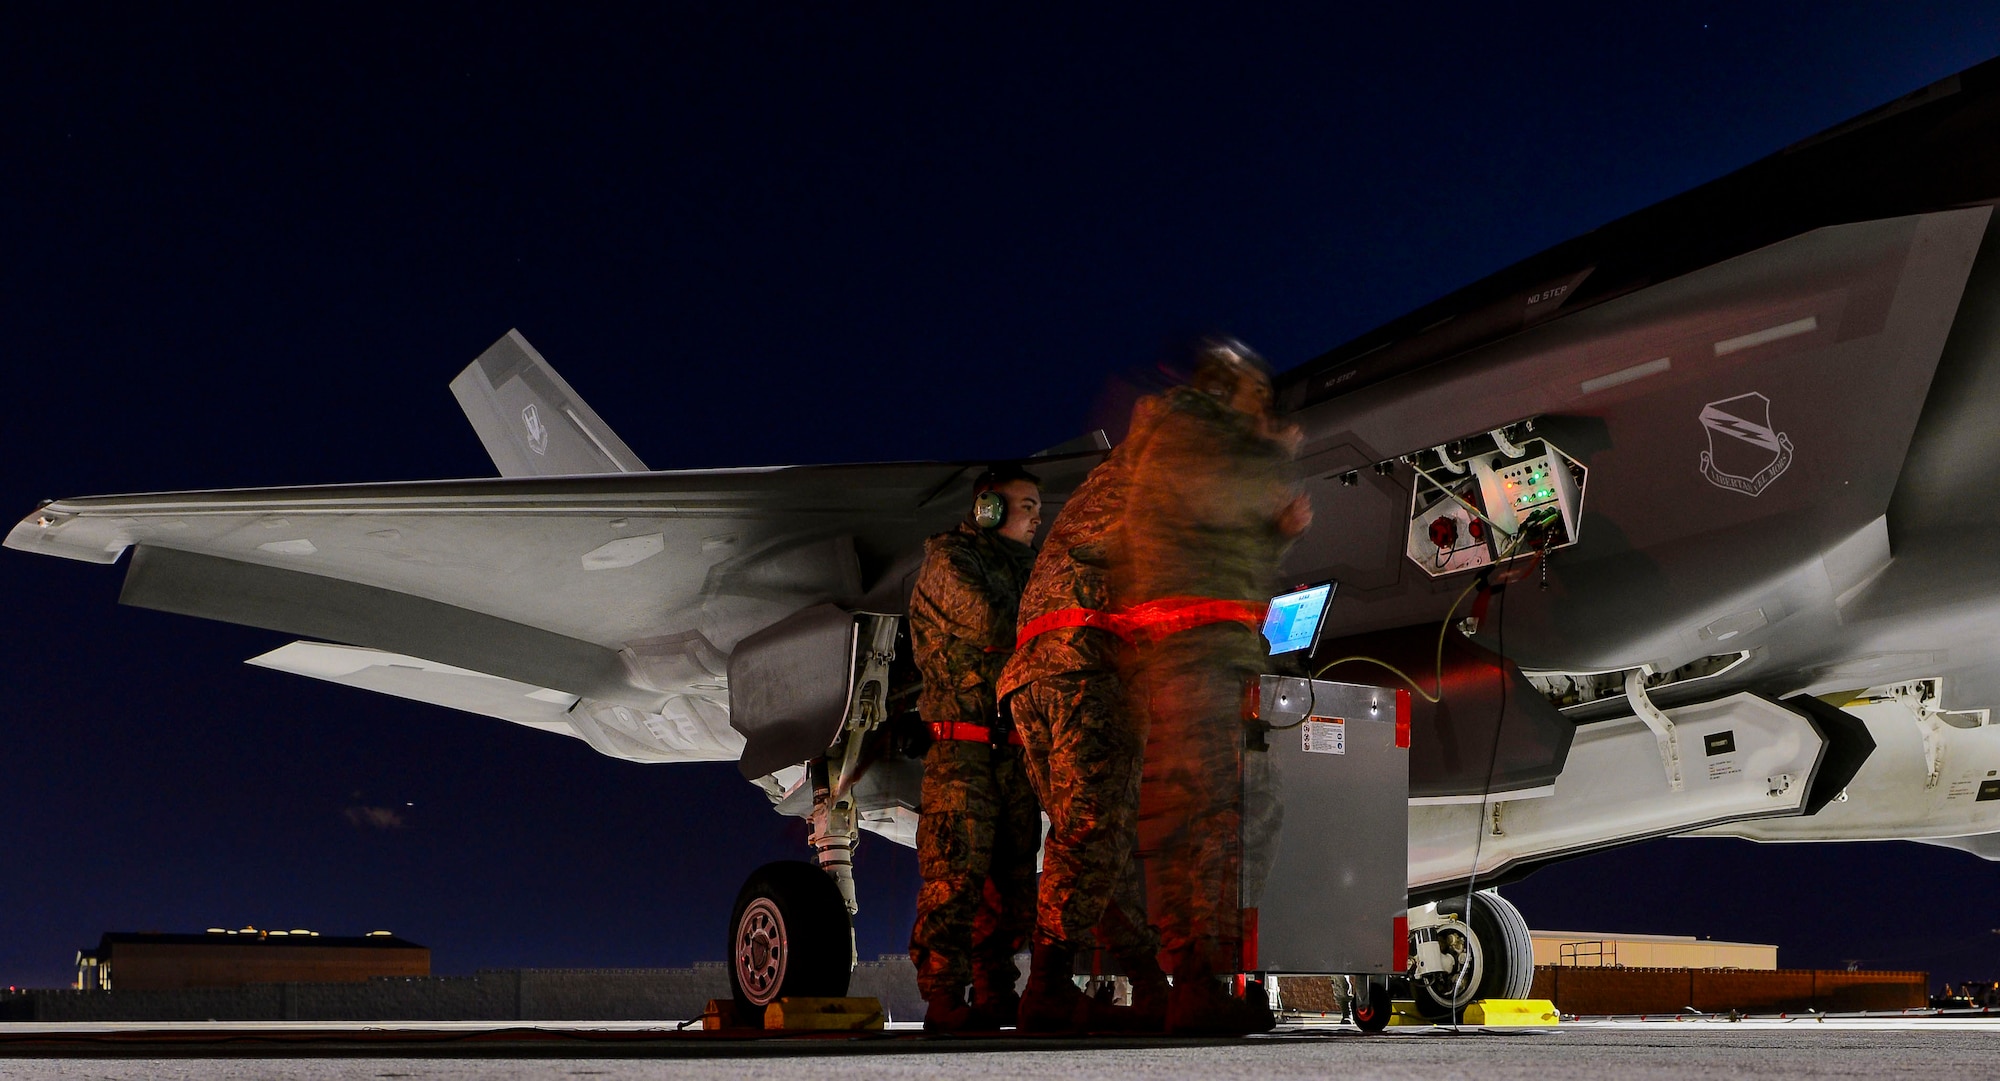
(789, 686)
(1326, 829)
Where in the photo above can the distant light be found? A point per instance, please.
(219, 931)
(274, 932)
(247, 931)
(379, 934)
(301, 931)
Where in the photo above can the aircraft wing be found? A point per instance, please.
(623, 591)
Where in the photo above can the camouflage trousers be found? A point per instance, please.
(1208, 808)
(1084, 750)
(976, 846)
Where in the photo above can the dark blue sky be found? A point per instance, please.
(250, 249)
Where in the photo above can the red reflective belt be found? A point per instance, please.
(1070, 617)
(1149, 621)
(1172, 615)
(969, 732)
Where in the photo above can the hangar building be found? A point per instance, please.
(150, 961)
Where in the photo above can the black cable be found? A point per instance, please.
(1492, 767)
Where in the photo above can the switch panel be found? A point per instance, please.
(1492, 498)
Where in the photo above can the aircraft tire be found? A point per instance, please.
(1510, 962)
(1502, 952)
(789, 935)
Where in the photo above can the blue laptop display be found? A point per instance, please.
(1293, 622)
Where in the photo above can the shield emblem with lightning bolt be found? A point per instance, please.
(538, 433)
(1744, 452)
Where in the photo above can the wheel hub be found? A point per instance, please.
(1456, 986)
(761, 951)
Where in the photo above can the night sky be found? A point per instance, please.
(252, 250)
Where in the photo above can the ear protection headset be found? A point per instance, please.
(989, 510)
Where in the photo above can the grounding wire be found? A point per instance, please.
(1485, 793)
(1493, 758)
(1436, 697)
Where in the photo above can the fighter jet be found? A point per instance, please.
(1677, 527)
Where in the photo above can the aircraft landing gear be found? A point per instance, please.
(789, 936)
(1460, 961)
(792, 931)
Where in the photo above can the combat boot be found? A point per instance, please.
(1148, 1012)
(1258, 998)
(996, 1009)
(1052, 1002)
(1198, 1006)
(995, 1003)
(946, 1011)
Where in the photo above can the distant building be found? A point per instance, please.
(131, 961)
(1596, 949)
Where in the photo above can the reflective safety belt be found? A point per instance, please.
(970, 733)
(1070, 617)
(1150, 621)
(1155, 620)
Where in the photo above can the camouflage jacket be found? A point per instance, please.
(1202, 508)
(962, 620)
(1074, 569)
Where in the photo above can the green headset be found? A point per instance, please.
(989, 507)
(989, 510)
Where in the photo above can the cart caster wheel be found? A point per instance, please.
(1371, 1007)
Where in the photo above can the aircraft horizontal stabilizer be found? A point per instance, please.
(425, 681)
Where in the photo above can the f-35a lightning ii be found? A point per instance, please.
(1687, 524)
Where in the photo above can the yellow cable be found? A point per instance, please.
(1414, 686)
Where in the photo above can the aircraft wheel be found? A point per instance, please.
(789, 935)
(1496, 959)
(1512, 961)
(1371, 1006)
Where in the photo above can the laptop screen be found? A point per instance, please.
(1292, 624)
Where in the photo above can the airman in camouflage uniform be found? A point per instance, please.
(1084, 749)
(1211, 509)
(980, 824)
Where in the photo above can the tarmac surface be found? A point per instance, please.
(1929, 1047)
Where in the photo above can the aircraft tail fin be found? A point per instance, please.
(530, 421)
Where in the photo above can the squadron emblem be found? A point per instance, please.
(1753, 455)
(538, 433)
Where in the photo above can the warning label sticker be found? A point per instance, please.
(1723, 767)
(1324, 735)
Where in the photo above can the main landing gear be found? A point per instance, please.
(1456, 960)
